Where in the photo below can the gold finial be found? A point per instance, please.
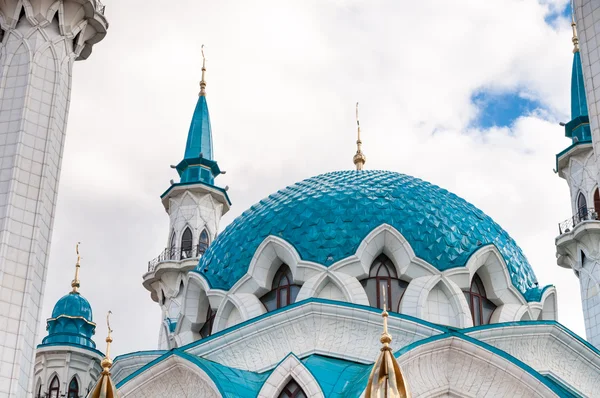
(105, 387)
(574, 26)
(386, 379)
(359, 158)
(75, 283)
(107, 362)
(203, 82)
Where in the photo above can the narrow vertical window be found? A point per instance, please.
(582, 211)
(283, 290)
(292, 390)
(481, 307)
(203, 242)
(186, 244)
(597, 203)
(172, 254)
(39, 390)
(54, 390)
(383, 282)
(208, 324)
(73, 389)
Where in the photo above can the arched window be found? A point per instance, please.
(54, 390)
(283, 291)
(186, 244)
(292, 390)
(597, 203)
(203, 242)
(39, 390)
(73, 389)
(581, 207)
(481, 307)
(172, 255)
(206, 329)
(383, 278)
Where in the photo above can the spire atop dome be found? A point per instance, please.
(105, 387)
(359, 158)
(202, 81)
(75, 283)
(575, 39)
(386, 379)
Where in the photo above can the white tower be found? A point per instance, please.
(195, 207)
(41, 39)
(578, 243)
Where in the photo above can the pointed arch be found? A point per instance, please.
(479, 304)
(597, 201)
(187, 243)
(38, 388)
(236, 308)
(54, 387)
(582, 208)
(290, 369)
(334, 286)
(283, 290)
(383, 282)
(203, 241)
(173, 255)
(73, 388)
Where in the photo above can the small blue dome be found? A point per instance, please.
(326, 217)
(71, 322)
(74, 305)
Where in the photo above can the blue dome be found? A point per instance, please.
(71, 322)
(326, 217)
(73, 305)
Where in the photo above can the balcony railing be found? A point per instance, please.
(583, 214)
(177, 254)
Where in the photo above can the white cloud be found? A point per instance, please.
(283, 78)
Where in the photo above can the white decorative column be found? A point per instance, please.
(40, 41)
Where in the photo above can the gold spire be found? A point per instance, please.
(105, 387)
(359, 158)
(203, 82)
(574, 26)
(386, 379)
(75, 283)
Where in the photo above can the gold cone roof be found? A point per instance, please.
(105, 387)
(386, 379)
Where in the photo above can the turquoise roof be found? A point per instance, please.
(326, 217)
(71, 322)
(578, 129)
(198, 164)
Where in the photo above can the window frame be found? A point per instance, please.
(54, 387)
(203, 243)
(278, 288)
(73, 389)
(298, 392)
(187, 245)
(478, 294)
(384, 262)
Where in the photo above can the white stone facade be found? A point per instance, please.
(65, 363)
(41, 39)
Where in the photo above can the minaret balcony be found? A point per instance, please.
(177, 255)
(580, 231)
(582, 215)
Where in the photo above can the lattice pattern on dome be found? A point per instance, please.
(326, 217)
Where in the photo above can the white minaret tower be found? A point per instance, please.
(578, 243)
(195, 207)
(41, 39)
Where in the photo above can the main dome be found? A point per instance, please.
(326, 217)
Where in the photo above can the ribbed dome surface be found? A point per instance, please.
(326, 217)
(73, 305)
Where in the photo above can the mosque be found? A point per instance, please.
(353, 283)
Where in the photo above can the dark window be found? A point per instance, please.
(597, 202)
(292, 390)
(206, 329)
(73, 389)
(54, 390)
(481, 307)
(173, 247)
(283, 291)
(383, 278)
(581, 207)
(186, 244)
(39, 391)
(203, 242)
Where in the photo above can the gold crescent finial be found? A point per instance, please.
(107, 362)
(575, 39)
(359, 158)
(203, 82)
(75, 283)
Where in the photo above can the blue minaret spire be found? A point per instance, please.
(578, 129)
(198, 164)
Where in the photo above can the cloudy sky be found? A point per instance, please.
(465, 94)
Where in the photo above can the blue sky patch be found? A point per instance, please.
(501, 109)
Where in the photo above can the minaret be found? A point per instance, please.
(40, 41)
(578, 243)
(67, 362)
(195, 207)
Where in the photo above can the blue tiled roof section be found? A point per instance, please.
(578, 101)
(73, 304)
(337, 377)
(71, 322)
(326, 217)
(199, 138)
